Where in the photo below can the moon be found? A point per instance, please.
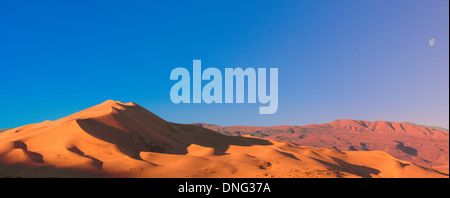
(432, 42)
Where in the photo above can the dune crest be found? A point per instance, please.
(115, 139)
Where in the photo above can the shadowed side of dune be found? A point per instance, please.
(169, 138)
(209, 138)
(174, 134)
(95, 162)
(35, 157)
(123, 140)
(361, 171)
(24, 171)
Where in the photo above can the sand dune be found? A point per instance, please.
(422, 145)
(116, 139)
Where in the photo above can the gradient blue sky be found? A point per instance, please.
(353, 59)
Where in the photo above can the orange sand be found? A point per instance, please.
(117, 139)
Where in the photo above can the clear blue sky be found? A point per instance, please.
(368, 60)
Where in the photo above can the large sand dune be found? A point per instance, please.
(117, 139)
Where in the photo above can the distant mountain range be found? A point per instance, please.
(423, 145)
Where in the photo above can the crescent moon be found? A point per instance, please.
(432, 42)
